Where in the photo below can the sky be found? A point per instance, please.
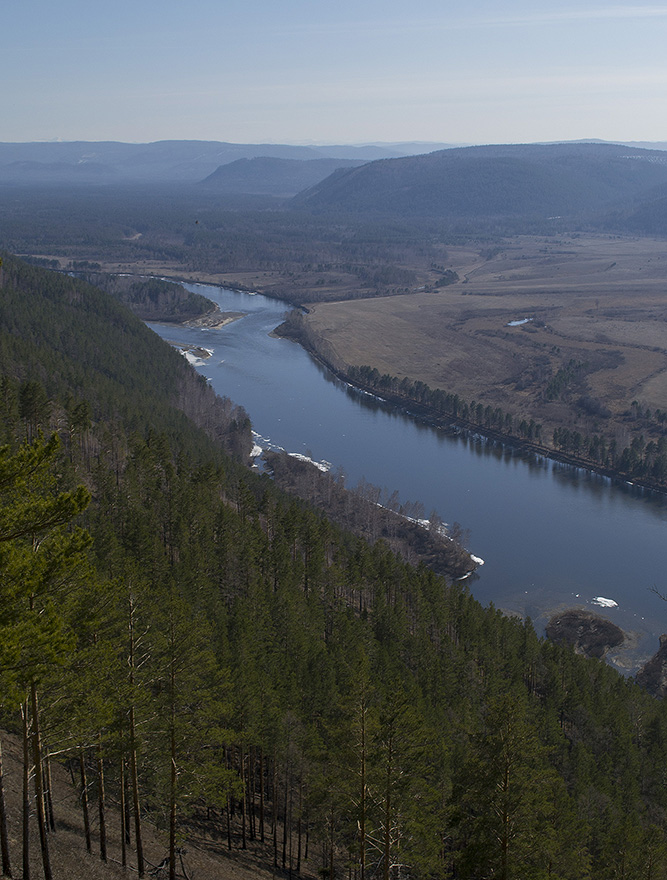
(349, 71)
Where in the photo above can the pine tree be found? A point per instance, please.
(501, 797)
(39, 561)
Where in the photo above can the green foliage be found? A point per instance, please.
(68, 345)
(152, 299)
(257, 660)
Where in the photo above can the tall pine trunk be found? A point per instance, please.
(123, 813)
(298, 853)
(362, 806)
(4, 837)
(244, 803)
(39, 784)
(284, 858)
(387, 812)
(274, 816)
(172, 754)
(135, 798)
(101, 799)
(26, 791)
(133, 752)
(84, 800)
(48, 791)
(261, 795)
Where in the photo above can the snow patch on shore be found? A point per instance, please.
(193, 359)
(262, 443)
(323, 466)
(518, 323)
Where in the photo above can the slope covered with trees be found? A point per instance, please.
(201, 648)
(513, 180)
(152, 299)
(271, 176)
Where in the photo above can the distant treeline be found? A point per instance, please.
(374, 514)
(641, 459)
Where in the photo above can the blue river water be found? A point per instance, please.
(551, 536)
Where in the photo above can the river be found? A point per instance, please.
(551, 536)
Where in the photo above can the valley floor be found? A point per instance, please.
(568, 332)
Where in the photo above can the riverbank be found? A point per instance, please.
(416, 541)
(325, 356)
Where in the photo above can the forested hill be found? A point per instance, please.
(110, 162)
(273, 176)
(233, 668)
(152, 299)
(516, 180)
(85, 349)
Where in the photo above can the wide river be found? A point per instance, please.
(551, 536)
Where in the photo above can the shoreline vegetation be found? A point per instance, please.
(360, 510)
(640, 463)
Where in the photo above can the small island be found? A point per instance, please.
(587, 633)
(214, 319)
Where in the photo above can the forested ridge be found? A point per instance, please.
(204, 651)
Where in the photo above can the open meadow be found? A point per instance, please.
(588, 311)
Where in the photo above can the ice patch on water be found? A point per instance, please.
(604, 603)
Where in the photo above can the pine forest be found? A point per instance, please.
(208, 655)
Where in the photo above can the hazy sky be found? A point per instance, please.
(342, 71)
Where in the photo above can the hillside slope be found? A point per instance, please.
(81, 344)
(270, 176)
(530, 180)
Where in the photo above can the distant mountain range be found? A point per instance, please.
(625, 183)
(522, 180)
(115, 162)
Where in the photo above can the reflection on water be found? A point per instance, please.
(551, 535)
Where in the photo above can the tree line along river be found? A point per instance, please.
(551, 536)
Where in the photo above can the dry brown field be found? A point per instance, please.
(595, 299)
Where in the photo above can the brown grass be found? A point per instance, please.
(597, 299)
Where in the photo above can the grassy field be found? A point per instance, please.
(598, 301)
